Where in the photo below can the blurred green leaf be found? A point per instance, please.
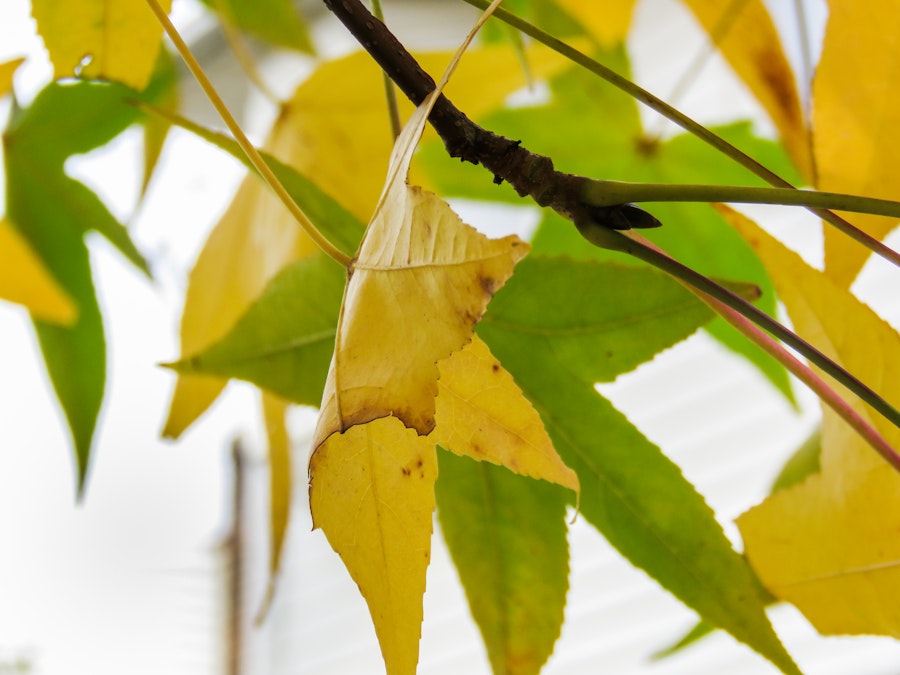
(53, 212)
(275, 21)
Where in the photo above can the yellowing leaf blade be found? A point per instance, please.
(746, 36)
(608, 21)
(274, 411)
(26, 281)
(105, 39)
(482, 414)
(372, 494)
(829, 545)
(7, 70)
(421, 281)
(856, 119)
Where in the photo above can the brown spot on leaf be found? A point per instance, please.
(488, 285)
(780, 83)
(646, 146)
(495, 367)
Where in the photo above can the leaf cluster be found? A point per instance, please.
(456, 372)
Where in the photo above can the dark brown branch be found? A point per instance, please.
(530, 174)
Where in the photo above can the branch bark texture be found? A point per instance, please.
(530, 174)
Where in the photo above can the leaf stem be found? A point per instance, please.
(803, 372)
(611, 239)
(252, 154)
(655, 103)
(610, 193)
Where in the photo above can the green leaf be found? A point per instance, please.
(592, 129)
(598, 319)
(69, 118)
(801, 465)
(75, 354)
(275, 21)
(507, 537)
(53, 212)
(557, 344)
(285, 339)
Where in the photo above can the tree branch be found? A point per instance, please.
(530, 174)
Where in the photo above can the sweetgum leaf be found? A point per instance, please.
(507, 537)
(481, 413)
(557, 344)
(747, 38)
(75, 355)
(421, 281)
(802, 464)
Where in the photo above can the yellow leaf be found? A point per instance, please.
(7, 70)
(856, 119)
(255, 238)
(830, 545)
(274, 411)
(372, 493)
(25, 280)
(109, 39)
(747, 38)
(354, 117)
(481, 413)
(420, 282)
(607, 21)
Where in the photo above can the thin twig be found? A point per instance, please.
(610, 192)
(616, 241)
(803, 372)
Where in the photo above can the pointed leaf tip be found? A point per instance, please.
(372, 494)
